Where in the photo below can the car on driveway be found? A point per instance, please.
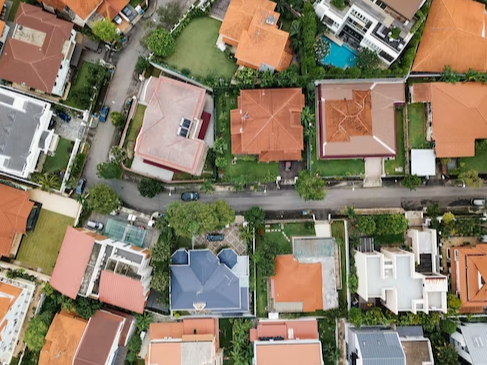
(127, 12)
(478, 202)
(215, 237)
(80, 187)
(117, 20)
(63, 116)
(95, 225)
(154, 217)
(104, 114)
(190, 196)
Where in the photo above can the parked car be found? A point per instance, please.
(63, 116)
(104, 114)
(80, 187)
(95, 225)
(215, 237)
(154, 217)
(478, 202)
(127, 11)
(117, 20)
(190, 196)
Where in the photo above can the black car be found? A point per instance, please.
(215, 237)
(190, 196)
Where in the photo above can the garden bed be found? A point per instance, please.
(400, 160)
(338, 232)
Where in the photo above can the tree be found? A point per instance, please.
(47, 181)
(221, 162)
(143, 321)
(353, 282)
(448, 218)
(448, 326)
(322, 48)
(264, 257)
(390, 224)
(220, 146)
(161, 251)
(86, 307)
(224, 213)
(161, 43)
(446, 355)
(288, 77)
(117, 155)
(109, 170)
(134, 345)
(169, 14)
(246, 78)
(471, 178)
(308, 122)
(411, 182)
(36, 331)
(246, 233)
(255, 217)
(118, 120)
(105, 30)
(366, 224)
(149, 188)
(160, 280)
(142, 63)
(103, 199)
(332, 355)
(433, 210)
(208, 187)
(355, 316)
(367, 59)
(454, 304)
(310, 187)
(267, 79)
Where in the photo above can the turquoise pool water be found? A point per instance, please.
(339, 56)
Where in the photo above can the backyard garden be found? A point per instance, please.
(196, 53)
(60, 159)
(40, 248)
(397, 166)
(417, 126)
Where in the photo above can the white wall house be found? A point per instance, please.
(470, 341)
(370, 23)
(24, 133)
(62, 74)
(392, 276)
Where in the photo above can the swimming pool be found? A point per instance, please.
(339, 56)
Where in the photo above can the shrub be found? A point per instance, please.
(161, 43)
(149, 187)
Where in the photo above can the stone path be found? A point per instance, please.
(269, 229)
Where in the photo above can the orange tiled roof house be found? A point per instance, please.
(251, 27)
(267, 123)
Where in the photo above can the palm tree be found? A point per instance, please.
(333, 355)
(308, 121)
(48, 181)
(245, 234)
(295, 34)
(143, 321)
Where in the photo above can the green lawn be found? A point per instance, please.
(338, 231)
(196, 50)
(13, 10)
(134, 3)
(331, 168)
(39, 249)
(417, 126)
(299, 229)
(80, 81)
(135, 125)
(252, 170)
(291, 230)
(477, 163)
(400, 160)
(390, 239)
(61, 158)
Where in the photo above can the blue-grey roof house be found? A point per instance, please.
(202, 282)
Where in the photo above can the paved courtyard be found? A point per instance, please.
(232, 240)
(72, 130)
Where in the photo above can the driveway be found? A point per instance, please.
(231, 240)
(373, 172)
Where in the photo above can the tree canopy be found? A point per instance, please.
(103, 199)
(367, 59)
(36, 331)
(366, 224)
(118, 120)
(161, 42)
(255, 217)
(109, 170)
(471, 178)
(390, 224)
(150, 187)
(105, 30)
(411, 182)
(310, 187)
(264, 257)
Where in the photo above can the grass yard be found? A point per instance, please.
(400, 160)
(291, 230)
(226, 327)
(13, 10)
(253, 170)
(261, 296)
(338, 232)
(196, 50)
(477, 163)
(40, 248)
(81, 80)
(135, 125)
(331, 168)
(417, 126)
(299, 229)
(61, 158)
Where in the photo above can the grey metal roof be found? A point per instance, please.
(180, 257)
(380, 347)
(16, 131)
(410, 331)
(475, 335)
(205, 280)
(228, 257)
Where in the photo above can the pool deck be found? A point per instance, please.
(334, 39)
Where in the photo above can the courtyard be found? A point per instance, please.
(196, 51)
(231, 240)
(60, 159)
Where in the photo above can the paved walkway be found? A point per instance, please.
(373, 172)
(56, 203)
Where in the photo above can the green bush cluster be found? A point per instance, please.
(77, 167)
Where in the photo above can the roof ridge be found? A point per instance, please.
(279, 123)
(248, 95)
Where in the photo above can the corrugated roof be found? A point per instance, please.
(380, 347)
(15, 208)
(62, 340)
(459, 115)
(454, 36)
(71, 262)
(29, 64)
(267, 123)
(475, 335)
(122, 291)
(98, 340)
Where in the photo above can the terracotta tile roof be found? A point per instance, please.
(169, 101)
(471, 268)
(71, 262)
(267, 353)
(304, 329)
(406, 8)
(246, 25)
(267, 123)
(459, 115)
(110, 8)
(82, 8)
(297, 282)
(29, 64)
(164, 353)
(8, 297)
(358, 118)
(15, 208)
(62, 340)
(122, 291)
(453, 36)
(98, 340)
